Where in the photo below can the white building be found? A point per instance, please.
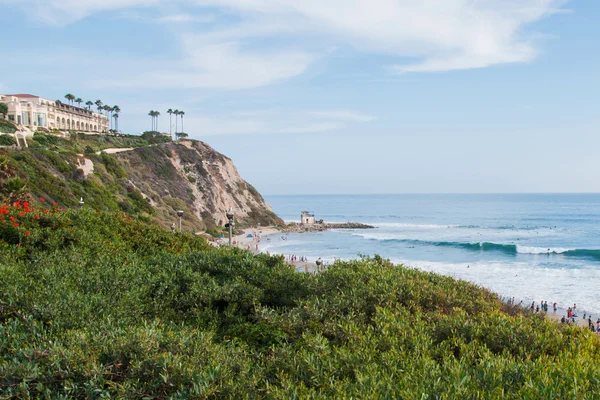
(307, 218)
(34, 111)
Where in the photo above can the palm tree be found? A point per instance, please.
(116, 117)
(182, 114)
(89, 104)
(176, 112)
(170, 112)
(79, 101)
(116, 110)
(151, 114)
(156, 114)
(69, 97)
(99, 105)
(108, 110)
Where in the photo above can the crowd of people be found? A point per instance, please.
(570, 316)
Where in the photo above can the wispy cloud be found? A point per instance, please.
(216, 66)
(344, 116)
(186, 18)
(275, 121)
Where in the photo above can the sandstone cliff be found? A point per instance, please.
(192, 176)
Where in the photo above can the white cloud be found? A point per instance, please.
(344, 115)
(217, 66)
(185, 18)
(439, 34)
(238, 52)
(273, 121)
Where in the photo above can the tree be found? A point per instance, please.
(170, 112)
(152, 114)
(176, 112)
(78, 101)
(156, 114)
(99, 105)
(183, 135)
(116, 117)
(182, 114)
(69, 97)
(116, 111)
(89, 104)
(108, 110)
(3, 109)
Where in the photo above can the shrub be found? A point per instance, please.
(45, 140)
(6, 140)
(99, 304)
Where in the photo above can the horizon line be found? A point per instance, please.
(430, 193)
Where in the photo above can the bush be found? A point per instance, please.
(101, 305)
(45, 140)
(6, 140)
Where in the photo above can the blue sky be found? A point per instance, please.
(337, 96)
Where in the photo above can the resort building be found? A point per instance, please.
(34, 111)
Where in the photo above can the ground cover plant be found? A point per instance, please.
(97, 305)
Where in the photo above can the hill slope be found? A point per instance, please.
(151, 182)
(100, 305)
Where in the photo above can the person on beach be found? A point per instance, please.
(563, 320)
(554, 306)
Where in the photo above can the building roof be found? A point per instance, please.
(27, 96)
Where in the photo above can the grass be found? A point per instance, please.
(97, 304)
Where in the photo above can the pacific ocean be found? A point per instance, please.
(531, 246)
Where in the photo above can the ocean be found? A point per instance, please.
(531, 246)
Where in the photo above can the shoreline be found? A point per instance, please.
(261, 234)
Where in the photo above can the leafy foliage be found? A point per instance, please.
(154, 137)
(7, 127)
(102, 305)
(6, 140)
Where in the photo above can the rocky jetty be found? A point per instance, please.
(319, 227)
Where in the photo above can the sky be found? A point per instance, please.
(337, 96)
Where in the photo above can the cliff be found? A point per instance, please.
(150, 182)
(193, 177)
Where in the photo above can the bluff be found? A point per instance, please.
(145, 180)
(192, 176)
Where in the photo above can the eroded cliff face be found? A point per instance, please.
(193, 177)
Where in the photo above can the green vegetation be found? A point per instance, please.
(7, 127)
(154, 137)
(6, 140)
(3, 109)
(99, 305)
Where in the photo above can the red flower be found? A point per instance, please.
(21, 213)
(55, 204)
(17, 204)
(43, 200)
(37, 217)
(26, 206)
(15, 224)
(12, 219)
(27, 233)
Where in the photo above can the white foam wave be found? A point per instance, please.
(526, 281)
(541, 250)
(412, 226)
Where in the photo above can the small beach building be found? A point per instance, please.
(307, 218)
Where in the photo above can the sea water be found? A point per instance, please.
(531, 246)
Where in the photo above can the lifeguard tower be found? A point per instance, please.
(307, 218)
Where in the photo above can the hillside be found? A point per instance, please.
(151, 182)
(97, 305)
